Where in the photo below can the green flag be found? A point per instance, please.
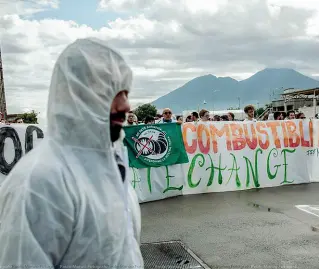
(155, 145)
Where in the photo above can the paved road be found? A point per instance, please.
(247, 229)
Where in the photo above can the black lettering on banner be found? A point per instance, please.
(8, 132)
(29, 137)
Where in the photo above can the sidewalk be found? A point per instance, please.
(247, 229)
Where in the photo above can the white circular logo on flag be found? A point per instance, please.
(151, 143)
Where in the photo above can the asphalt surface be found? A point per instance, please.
(247, 229)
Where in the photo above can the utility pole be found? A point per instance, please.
(238, 102)
(3, 105)
(213, 99)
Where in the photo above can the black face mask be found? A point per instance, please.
(115, 129)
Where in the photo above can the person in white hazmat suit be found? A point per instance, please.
(68, 202)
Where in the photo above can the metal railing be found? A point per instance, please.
(268, 110)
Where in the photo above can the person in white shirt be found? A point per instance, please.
(131, 119)
(167, 116)
(250, 113)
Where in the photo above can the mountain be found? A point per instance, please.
(225, 92)
(265, 82)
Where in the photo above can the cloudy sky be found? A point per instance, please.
(167, 42)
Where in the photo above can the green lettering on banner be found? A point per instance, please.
(220, 175)
(274, 153)
(135, 178)
(149, 179)
(212, 172)
(169, 188)
(191, 169)
(255, 173)
(235, 169)
(284, 153)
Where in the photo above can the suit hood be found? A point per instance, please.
(86, 78)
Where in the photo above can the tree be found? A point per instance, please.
(145, 110)
(30, 117)
(260, 111)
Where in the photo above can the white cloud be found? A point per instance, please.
(305, 4)
(167, 42)
(29, 51)
(26, 7)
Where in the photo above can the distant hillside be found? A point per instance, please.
(223, 92)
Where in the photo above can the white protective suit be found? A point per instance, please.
(65, 203)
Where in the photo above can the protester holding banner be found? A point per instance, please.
(149, 120)
(68, 203)
(167, 116)
(189, 118)
(204, 115)
(19, 120)
(231, 116)
(195, 116)
(179, 119)
(250, 113)
(291, 115)
(301, 116)
(131, 119)
(279, 115)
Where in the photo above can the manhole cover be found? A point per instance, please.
(173, 254)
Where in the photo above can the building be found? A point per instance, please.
(3, 105)
(302, 100)
(13, 117)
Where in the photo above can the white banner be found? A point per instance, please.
(223, 156)
(16, 140)
(233, 156)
